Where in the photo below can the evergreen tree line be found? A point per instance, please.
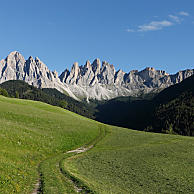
(20, 89)
(170, 111)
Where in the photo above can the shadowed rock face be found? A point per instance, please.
(91, 81)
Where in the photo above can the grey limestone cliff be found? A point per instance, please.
(104, 82)
(90, 81)
(32, 71)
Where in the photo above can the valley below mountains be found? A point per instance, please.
(90, 81)
(43, 125)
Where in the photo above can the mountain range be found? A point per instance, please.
(169, 111)
(89, 81)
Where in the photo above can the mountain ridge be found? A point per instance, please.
(169, 111)
(89, 81)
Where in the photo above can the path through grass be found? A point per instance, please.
(34, 139)
(128, 161)
(32, 132)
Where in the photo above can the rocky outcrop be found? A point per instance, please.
(103, 82)
(90, 81)
(32, 71)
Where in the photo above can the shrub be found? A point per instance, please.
(3, 92)
(63, 104)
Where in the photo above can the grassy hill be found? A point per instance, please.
(170, 111)
(128, 161)
(34, 138)
(20, 89)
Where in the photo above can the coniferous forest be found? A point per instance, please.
(170, 111)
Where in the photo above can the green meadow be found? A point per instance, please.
(128, 161)
(34, 139)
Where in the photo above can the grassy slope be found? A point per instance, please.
(31, 132)
(48, 95)
(128, 161)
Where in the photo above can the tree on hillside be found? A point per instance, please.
(3, 92)
(17, 94)
(63, 104)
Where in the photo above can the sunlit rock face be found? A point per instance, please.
(32, 71)
(102, 81)
(94, 80)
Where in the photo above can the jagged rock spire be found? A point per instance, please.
(90, 80)
(96, 65)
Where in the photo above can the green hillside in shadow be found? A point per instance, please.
(170, 111)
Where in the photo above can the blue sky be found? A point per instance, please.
(131, 34)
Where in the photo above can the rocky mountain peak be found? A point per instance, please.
(15, 54)
(96, 62)
(119, 77)
(75, 69)
(75, 66)
(34, 72)
(55, 73)
(15, 58)
(104, 63)
(64, 75)
(149, 69)
(89, 81)
(71, 77)
(40, 64)
(108, 67)
(88, 64)
(133, 71)
(96, 65)
(149, 73)
(107, 73)
(30, 60)
(38, 61)
(103, 82)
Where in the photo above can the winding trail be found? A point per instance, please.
(37, 186)
(80, 150)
